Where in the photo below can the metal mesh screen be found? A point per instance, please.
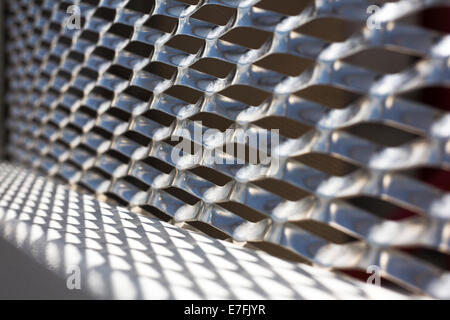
(99, 106)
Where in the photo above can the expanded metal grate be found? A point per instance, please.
(99, 106)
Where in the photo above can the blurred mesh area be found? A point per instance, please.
(101, 92)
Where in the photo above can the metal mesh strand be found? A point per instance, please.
(97, 107)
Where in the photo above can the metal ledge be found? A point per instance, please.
(23, 278)
(122, 255)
